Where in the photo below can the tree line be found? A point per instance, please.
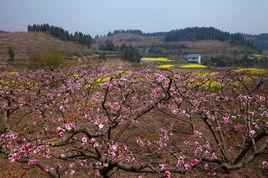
(260, 41)
(195, 33)
(237, 61)
(137, 32)
(62, 34)
(128, 53)
(206, 33)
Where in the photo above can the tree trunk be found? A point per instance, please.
(3, 121)
(106, 170)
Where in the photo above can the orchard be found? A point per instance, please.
(112, 121)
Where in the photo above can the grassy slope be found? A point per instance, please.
(24, 43)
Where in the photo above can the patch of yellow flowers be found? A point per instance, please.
(253, 70)
(193, 66)
(18, 85)
(157, 59)
(166, 66)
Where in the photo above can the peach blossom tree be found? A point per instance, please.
(105, 121)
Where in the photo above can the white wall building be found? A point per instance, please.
(193, 58)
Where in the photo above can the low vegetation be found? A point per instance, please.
(193, 66)
(253, 70)
(48, 59)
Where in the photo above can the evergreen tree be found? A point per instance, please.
(62, 34)
(11, 55)
(107, 46)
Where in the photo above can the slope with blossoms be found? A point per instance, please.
(137, 122)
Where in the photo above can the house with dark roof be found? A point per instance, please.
(193, 58)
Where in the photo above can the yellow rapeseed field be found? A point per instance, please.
(193, 66)
(157, 59)
(166, 66)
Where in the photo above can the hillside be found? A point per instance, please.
(25, 43)
(139, 38)
(62, 34)
(260, 41)
(145, 43)
(131, 39)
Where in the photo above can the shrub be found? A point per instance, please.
(102, 56)
(130, 53)
(50, 59)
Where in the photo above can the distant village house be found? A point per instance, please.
(193, 58)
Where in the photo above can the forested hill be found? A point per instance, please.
(206, 33)
(62, 34)
(194, 34)
(260, 41)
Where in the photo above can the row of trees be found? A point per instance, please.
(128, 53)
(238, 61)
(167, 49)
(137, 32)
(62, 34)
(206, 33)
(108, 46)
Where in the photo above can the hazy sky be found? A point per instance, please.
(100, 16)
